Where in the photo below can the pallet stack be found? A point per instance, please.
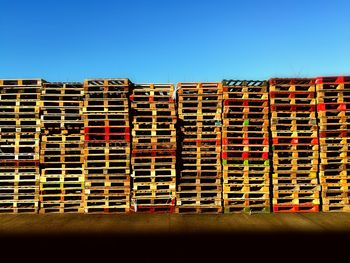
(333, 106)
(19, 145)
(245, 146)
(107, 145)
(153, 148)
(199, 113)
(294, 145)
(61, 153)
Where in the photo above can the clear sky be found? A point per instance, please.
(173, 41)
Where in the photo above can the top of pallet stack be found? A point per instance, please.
(292, 85)
(152, 86)
(333, 79)
(102, 86)
(58, 83)
(21, 82)
(199, 88)
(292, 81)
(107, 82)
(235, 82)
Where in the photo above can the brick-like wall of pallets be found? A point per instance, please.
(199, 183)
(107, 145)
(111, 146)
(62, 148)
(19, 145)
(333, 109)
(153, 156)
(294, 145)
(245, 146)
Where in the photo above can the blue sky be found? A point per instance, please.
(173, 41)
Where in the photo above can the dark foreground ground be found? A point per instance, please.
(63, 224)
(205, 236)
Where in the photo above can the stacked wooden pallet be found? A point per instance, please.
(107, 145)
(245, 146)
(199, 112)
(333, 98)
(153, 148)
(294, 145)
(19, 145)
(62, 144)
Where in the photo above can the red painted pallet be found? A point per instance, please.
(295, 208)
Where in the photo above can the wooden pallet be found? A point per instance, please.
(336, 208)
(200, 117)
(151, 195)
(103, 171)
(295, 194)
(257, 209)
(196, 88)
(26, 111)
(303, 115)
(329, 194)
(61, 198)
(199, 187)
(246, 180)
(103, 209)
(96, 86)
(303, 208)
(154, 132)
(247, 201)
(203, 194)
(61, 210)
(246, 195)
(62, 176)
(292, 84)
(159, 161)
(199, 160)
(203, 173)
(10, 207)
(65, 186)
(7, 209)
(110, 191)
(244, 188)
(166, 200)
(198, 201)
(294, 181)
(153, 93)
(152, 209)
(295, 201)
(198, 209)
(154, 186)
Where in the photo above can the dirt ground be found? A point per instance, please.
(173, 223)
(175, 237)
